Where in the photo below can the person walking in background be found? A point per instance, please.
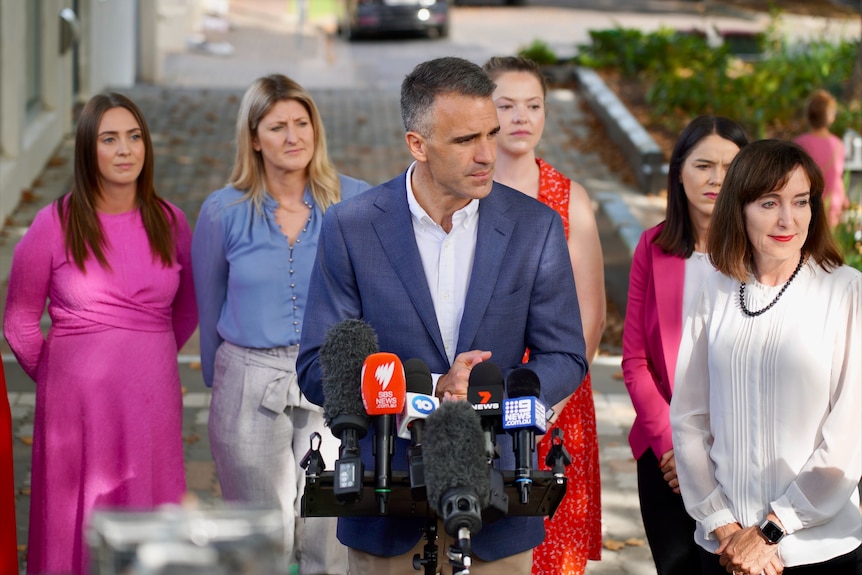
(668, 267)
(8, 531)
(575, 533)
(454, 269)
(254, 245)
(827, 150)
(765, 415)
(113, 260)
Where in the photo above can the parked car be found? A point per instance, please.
(503, 2)
(366, 17)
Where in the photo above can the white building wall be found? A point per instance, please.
(28, 141)
(112, 44)
(107, 59)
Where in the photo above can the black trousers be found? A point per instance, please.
(847, 564)
(669, 529)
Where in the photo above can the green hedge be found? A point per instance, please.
(765, 92)
(764, 89)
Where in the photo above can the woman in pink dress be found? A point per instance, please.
(575, 533)
(112, 260)
(827, 150)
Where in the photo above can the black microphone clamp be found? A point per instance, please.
(498, 501)
(313, 462)
(558, 457)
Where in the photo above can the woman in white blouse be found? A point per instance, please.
(766, 421)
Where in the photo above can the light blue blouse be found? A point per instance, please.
(251, 285)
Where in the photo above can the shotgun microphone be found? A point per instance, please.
(344, 349)
(456, 472)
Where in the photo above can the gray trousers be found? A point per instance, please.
(259, 428)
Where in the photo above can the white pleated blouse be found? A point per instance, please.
(767, 411)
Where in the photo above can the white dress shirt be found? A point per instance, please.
(448, 262)
(767, 411)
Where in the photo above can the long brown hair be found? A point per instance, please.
(77, 209)
(248, 172)
(758, 169)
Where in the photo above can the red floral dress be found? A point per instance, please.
(575, 533)
(8, 545)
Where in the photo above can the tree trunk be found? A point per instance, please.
(853, 90)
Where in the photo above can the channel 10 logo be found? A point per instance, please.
(423, 405)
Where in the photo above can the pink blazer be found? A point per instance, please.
(651, 335)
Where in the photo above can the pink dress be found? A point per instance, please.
(574, 535)
(108, 418)
(828, 153)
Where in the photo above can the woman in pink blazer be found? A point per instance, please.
(668, 268)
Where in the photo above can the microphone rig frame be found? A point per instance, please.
(549, 488)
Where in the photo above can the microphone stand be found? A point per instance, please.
(429, 557)
(459, 553)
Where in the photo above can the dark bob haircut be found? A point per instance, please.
(758, 169)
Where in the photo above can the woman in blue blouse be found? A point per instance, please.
(254, 245)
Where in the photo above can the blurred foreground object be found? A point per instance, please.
(177, 541)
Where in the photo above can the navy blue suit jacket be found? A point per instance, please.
(521, 295)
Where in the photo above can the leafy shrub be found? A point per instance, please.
(848, 234)
(687, 77)
(539, 52)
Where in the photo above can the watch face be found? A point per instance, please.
(771, 531)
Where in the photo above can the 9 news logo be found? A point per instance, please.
(423, 405)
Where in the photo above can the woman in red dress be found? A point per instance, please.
(575, 533)
(8, 544)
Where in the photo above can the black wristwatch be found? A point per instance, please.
(771, 532)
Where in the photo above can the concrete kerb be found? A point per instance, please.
(641, 151)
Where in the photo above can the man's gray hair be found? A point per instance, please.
(442, 76)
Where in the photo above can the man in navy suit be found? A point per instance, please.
(454, 269)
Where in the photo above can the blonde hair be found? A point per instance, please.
(248, 172)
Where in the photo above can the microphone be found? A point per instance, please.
(485, 394)
(456, 472)
(523, 417)
(344, 349)
(383, 391)
(419, 404)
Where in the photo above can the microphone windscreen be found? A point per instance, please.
(344, 349)
(418, 377)
(454, 452)
(485, 374)
(523, 382)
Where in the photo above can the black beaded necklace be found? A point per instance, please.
(750, 313)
